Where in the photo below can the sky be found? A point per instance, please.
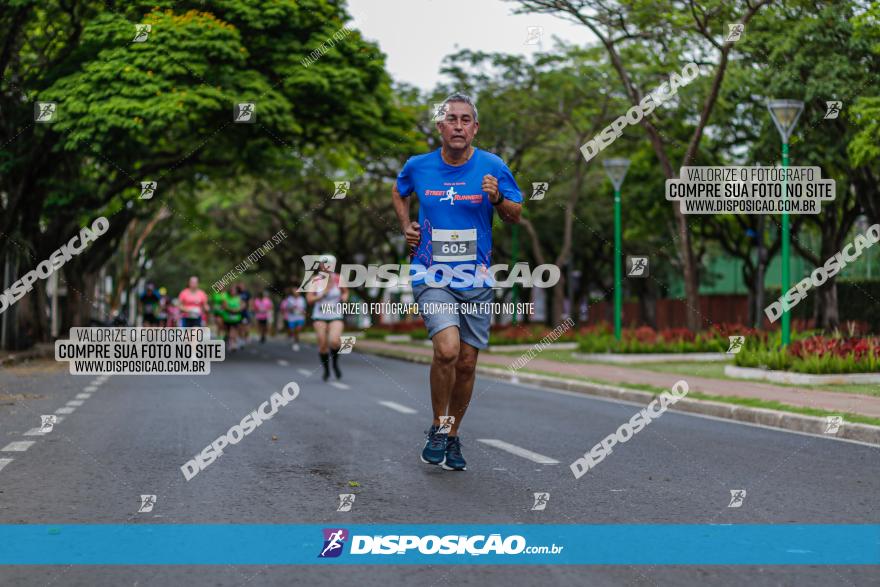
(415, 43)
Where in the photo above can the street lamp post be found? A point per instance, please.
(785, 114)
(616, 170)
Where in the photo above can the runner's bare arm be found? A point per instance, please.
(401, 208)
(508, 211)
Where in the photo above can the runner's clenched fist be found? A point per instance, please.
(490, 186)
(413, 234)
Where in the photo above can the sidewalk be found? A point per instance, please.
(39, 351)
(822, 400)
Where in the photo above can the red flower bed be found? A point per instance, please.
(820, 346)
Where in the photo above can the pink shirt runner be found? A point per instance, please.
(192, 302)
(262, 307)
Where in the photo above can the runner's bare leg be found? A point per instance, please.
(465, 368)
(446, 351)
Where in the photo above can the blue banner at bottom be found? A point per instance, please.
(419, 544)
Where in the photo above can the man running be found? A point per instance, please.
(193, 304)
(150, 302)
(244, 325)
(233, 309)
(458, 187)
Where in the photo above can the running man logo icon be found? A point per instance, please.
(346, 344)
(539, 189)
(736, 344)
(541, 500)
(637, 266)
(346, 500)
(446, 423)
(147, 503)
(832, 424)
(735, 32)
(45, 111)
(341, 189)
(534, 34)
(313, 278)
(47, 423)
(244, 113)
(438, 113)
(148, 189)
(334, 540)
(450, 195)
(832, 109)
(736, 498)
(141, 32)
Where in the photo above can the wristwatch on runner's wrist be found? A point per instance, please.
(500, 199)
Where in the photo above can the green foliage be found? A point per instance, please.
(604, 342)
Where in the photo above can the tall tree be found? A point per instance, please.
(672, 34)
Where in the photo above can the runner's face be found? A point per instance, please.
(193, 282)
(457, 131)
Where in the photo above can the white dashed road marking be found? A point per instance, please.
(283, 363)
(339, 385)
(18, 446)
(75, 402)
(519, 451)
(35, 432)
(90, 388)
(4, 462)
(305, 372)
(398, 407)
(65, 410)
(83, 395)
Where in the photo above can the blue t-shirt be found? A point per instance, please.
(455, 215)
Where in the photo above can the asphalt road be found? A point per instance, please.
(129, 435)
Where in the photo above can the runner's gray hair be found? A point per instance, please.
(459, 97)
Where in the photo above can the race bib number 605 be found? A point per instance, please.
(454, 245)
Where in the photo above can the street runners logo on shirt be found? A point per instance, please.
(451, 196)
(334, 541)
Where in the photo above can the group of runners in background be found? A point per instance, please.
(233, 312)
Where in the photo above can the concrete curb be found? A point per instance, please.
(764, 417)
(799, 378)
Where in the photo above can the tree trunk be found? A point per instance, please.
(78, 301)
(826, 311)
(559, 291)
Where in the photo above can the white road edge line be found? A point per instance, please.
(519, 451)
(398, 407)
(18, 446)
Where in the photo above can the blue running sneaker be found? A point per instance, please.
(453, 460)
(435, 447)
